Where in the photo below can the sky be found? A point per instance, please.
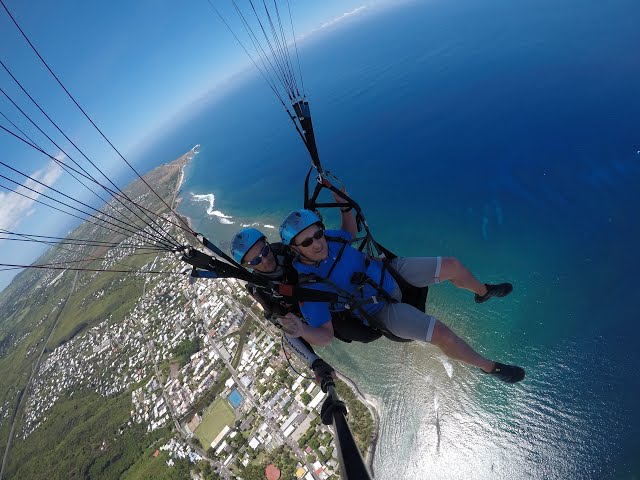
(133, 66)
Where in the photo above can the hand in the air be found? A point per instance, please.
(339, 198)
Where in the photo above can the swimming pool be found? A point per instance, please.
(235, 399)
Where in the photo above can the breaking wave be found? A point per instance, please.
(211, 199)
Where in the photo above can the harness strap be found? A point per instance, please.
(301, 294)
(339, 256)
(349, 303)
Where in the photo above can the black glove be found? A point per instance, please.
(323, 373)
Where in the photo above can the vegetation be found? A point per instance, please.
(254, 472)
(280, 457)
(86, 436)
(360, 419)
(90, 305)
(23, 329)
(283, 376)
(204, 468)
(185, 349)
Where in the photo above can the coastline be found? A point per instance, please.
(175, 201)
(187, 158)
(374, 408)
(370, 402)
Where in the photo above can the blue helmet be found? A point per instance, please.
(296, 222)
(243, 241)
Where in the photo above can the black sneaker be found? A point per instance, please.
(507, 373)
(499, 290)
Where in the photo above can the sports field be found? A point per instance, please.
(217, 415)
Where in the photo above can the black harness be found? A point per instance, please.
(349, 327)
(282, 296)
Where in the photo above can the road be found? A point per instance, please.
(31, 377)
(220, 468)
(275, 429)
(224, 472)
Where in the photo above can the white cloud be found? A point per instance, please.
(338, 19)
(14, 207)
(342, 17)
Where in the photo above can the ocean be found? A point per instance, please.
(506, 134)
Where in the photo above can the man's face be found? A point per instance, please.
(267, 263)
(316, 248)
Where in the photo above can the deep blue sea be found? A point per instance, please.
(506, 134)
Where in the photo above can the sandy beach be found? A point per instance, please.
(187, 158)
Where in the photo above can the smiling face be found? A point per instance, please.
(311, 244)
(267, 263)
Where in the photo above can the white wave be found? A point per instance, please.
(218, 213)
(211, 198)
(254, 224)
(268, 226)
(448, 367)
(193, 152)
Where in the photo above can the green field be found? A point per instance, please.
(85, 437)
(214, 419)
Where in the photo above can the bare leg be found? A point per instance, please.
(454, 347)
(460, 276)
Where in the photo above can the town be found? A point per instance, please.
(196, 355)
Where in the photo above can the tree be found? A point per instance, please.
(253, 472)
(186, 348)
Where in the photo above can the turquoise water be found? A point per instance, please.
(506, 134)
(235, 399)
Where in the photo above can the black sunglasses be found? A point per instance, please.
(309, 240)
(263, 253)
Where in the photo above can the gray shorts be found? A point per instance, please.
(402, 319)
(419, 271)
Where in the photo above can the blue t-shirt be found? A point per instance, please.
(351, 261)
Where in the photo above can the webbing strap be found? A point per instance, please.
(302, 294)
(351, 302)
(202, 261)
(339, 256)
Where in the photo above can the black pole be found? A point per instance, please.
(304, 117)
(334, 413)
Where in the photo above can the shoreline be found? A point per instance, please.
(187, 158)
(369, 401)
(374, 408)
